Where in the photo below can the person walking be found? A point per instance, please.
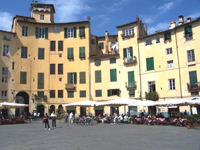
(71, 118)
(46, 121)
(53, 116)
(38, 116)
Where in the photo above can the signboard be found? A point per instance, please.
(194, 110)
(162, 108)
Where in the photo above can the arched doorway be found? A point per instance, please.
(52, 108)
(40, 109)
(23, 98)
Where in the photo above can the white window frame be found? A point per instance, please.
(72, 77)
(170, 64)
(70, 32)
(24, 31)
(150, 83)
(6, 50)
(41, 17)
(169, 51)
(172, 85)
(128, 31)
(4, 70)
(41, 32)
(4, 79)
(190, 55)
(6, 37)
(4, 93)
(57, 29)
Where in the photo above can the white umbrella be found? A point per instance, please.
(118, 102)
(81, 103)
(7, 105)
(194, 102)
(144, 103)
(180, 102)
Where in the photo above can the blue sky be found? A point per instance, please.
(107, 14)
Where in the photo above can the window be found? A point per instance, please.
(60, 68)
(98, 93)
(172, 84)
(60, 55)
(82, 93)
(150, 63)
(60, 45)
(6, 37)
(157, 39)
(22, 77)
(101, 45)
(81, 52)
(40, 80)
(98, 76)
(24, 52)
(148, 41)
(169, 51)
(70, 94)
(82, 77)
(167, 36)
(41, 17)
(93, 41)
(128, 53)
(97, 62)
(71, 77)
(190, 55)
(113, 92)
(188, 33)
(60, 93)
(60, 79)
(128, 31)
(52, 45)
(13, 65)
(52, 93)
(131, 79)
(40, 53)
(52, 68)
(193, 79)
(152, 86)
(6, 50)
(70, 53)
(112, 60)
(40, 94)
(131, 93)
(4, 79)
(113, 75)
(113, 43)
(82, 31)
(41, 32)
(70, 32)
(3, 93)
(56, 29)
(170, 64)
(24, 31)
(4, 70)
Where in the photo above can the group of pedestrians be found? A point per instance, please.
(46, 120)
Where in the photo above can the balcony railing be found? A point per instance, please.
(193, 86)
(130, 85)
(70, 86)
(129, 60)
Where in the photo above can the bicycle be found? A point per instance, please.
(117, 121)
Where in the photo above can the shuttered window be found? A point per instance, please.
(188, 33)
(112, 92)
(52, 68)
(65, 32)
(82, 31)
(60, 68)
(98, 93)
(131, 79)
(193, 79)
(81, 52)
(97, 62)
(150, 63)
(60, 45)
(72, 78)
(70, 53)
(82, 77)
(101, 45)
(24, 52)
(70, 94)
(41, 32)
(128, 52)
(98, 76)
(112, 60)
(22, 77)
(82, 93)
(167, 36)
(113, 75)
(40, 53)
(40, 80)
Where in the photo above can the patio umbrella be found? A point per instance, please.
(7, 105)
(171, 102)
(194, 102)
(143, 103)
(81, 103)
(118, 102)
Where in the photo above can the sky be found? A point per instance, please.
(107, 14)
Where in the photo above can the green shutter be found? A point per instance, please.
(82, 77)
(98, 76)
(22, 77)
(109, 92)
(193, 78)
(118, 92)
(125, 53)
(40, 80)
(70, 53)
(81, 52)
(81, 31)
(36, 32)
(68, 78)
(150, 63)
(75, 78)
(74, 32)
(131, 80)
(131, 51)
(46, 33)
(113, 75)
(65, 32)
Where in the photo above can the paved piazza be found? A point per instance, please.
(99, 137)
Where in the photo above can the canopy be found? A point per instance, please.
(7, 105)
(118, 102)
(178, 102)
(81, 103)
(194, 102)
(144, 103)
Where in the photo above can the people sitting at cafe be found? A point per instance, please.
(120, 117)
(105, 119)
(126, 118)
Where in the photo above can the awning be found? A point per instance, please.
(70, 108)
(7, 105)
(98, 108)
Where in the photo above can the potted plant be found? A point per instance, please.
(190, 122)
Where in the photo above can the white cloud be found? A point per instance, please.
(6, 21)
(159, 26)
(70, 10)
(167, 6)
(116, 6)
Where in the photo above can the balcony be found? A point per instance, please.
(130, 85)
(127, 36)
(193, 86)
(70, 86)
(129, 60)
(152, 96)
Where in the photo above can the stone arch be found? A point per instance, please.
(52, 108)
(23, 98)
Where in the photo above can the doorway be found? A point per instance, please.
(40, 109)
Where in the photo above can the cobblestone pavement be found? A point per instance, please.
(99, 137)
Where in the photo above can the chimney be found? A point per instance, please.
(181, 20)
(106, 41)
(173, 24)
(189, 19)
(35, 2)
(137, 18)
(88, 18)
